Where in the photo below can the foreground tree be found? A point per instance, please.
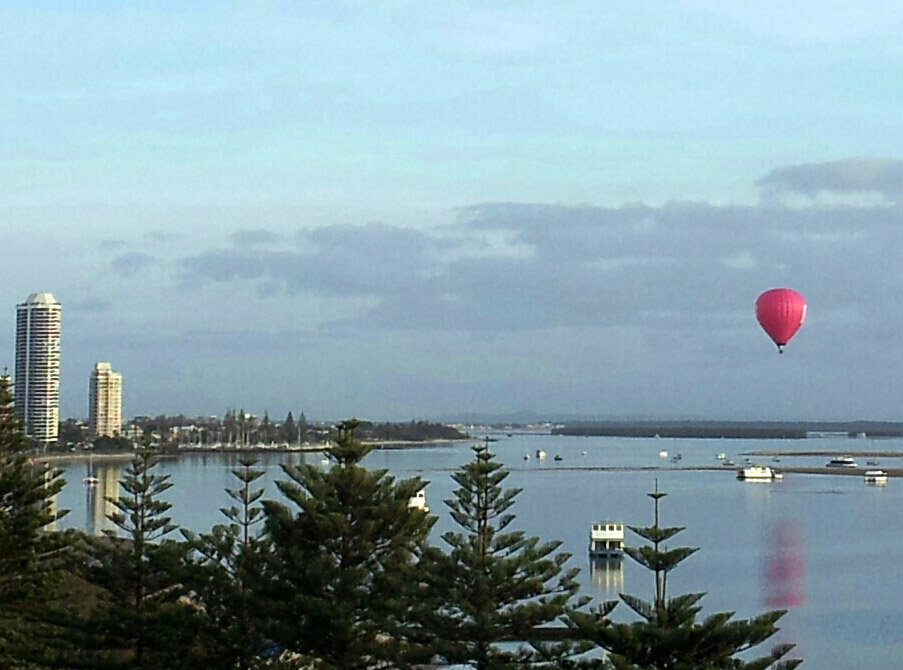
(497, 584)
(28, 558)
(142, 624)
(345, 561)
(223, 572)
(668, 636)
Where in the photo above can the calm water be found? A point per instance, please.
(829, 548)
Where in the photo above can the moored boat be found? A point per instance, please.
(842, 462)
(758, 473)
(875, 477)
(606, 540)
(419, 501)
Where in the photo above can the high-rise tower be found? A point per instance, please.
(105, 404)
(38, 327)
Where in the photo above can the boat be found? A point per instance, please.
(526, 457)
(91, 481)
(875, 477)
(721, 456)
(540, 454)
(758, 473)
(842, 462)
(419, 501)
(558, 457)
(872, 461)
(583, 453)
(606, 540)
(728, 463)
(663, 454)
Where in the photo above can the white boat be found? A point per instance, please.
(419, 501)
(875, 477)
(606, 540)
(721, 456)
(663, 454)
(842, 462)
(758, 473)
(540, 454)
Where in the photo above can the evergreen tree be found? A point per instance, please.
(267, 430)
(28, 568)
(143, 623)
(668, 635)
(497, 584)
(345, 560)
(289, 432)
(224, 572)
(303, 428)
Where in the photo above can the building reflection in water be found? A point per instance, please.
(607, 574)
(101, 488)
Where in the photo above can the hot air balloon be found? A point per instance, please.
(781, 312)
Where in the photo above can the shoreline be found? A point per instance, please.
(112, 456)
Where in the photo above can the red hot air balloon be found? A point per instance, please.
(781, 312)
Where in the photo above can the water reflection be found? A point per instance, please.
(101, 489)
(607, 575)
(785, 567)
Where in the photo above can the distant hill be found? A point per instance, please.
(413, 431)
(732, 429)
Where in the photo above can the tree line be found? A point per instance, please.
(337, 574)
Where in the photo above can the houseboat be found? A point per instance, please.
(875, 477)
(758, 473)
(842, 462)
(419, 501)
(606, 540)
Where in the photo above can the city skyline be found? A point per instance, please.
(397, 211)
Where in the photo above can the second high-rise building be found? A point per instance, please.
(105, 402)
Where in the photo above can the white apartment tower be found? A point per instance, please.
(105, 404)
(38, 328)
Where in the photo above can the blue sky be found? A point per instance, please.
(404, 209)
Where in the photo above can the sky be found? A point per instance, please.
(409, 210)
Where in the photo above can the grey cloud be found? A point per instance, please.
(254, 237)
(689, 268)
(851, 175)
(130, 264)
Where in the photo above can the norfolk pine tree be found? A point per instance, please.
(346, 559)
(224, 571)
(668, 635)
(143, 624)
(28, 570)
(497, 584)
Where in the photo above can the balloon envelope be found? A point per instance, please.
(781, 312)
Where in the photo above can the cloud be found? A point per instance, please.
(521, 266)
(130, 264)
(849, 176)
(245, 237)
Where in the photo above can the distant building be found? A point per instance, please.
(37, 387)
(105, 402)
